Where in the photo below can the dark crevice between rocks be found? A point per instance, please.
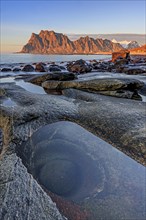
(1, 140)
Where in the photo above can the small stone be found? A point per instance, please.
(5, 69)
(28, 68)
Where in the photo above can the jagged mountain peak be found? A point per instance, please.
(133, 44)
(50, 42)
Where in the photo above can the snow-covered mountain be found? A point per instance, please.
(127, 44)
(133, 44)
(124, 43)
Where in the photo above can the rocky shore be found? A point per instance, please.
(52, 118)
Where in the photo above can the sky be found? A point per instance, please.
(20, 18)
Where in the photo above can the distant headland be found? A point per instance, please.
(50, 42)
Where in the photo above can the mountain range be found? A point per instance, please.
(127, 44)
(139, 50)
(140, 38)
(50, 42)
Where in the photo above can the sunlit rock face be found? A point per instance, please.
(49, 42)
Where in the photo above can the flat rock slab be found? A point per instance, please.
(120, 122)
(94, 85)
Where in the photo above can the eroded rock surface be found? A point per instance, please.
(125, 88)
(120, 122)
(20, 195)
(38, 80)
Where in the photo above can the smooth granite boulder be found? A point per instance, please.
(6, 69)
(129, 86)
(16, 69)
(28, 68)
(40, 67)
(79, 66)
(135, 70)
(54, 68)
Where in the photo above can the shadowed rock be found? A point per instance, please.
(5, 69)
(28, 68)
(63, 76)
(79, 66)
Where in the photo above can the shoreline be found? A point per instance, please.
(104, 53)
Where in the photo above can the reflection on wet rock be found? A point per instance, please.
(62, 165)
(78, 166)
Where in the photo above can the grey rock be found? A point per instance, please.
(106, 175)
(108, 84)
(2, 92)
(63, 76)
(134, 71)
(5, 69)
(79, 66)
(123, 94)
(143, 90)
(1, 140)
(28, 68)
(103, 115)
(16, 69)
(54, 68)
(20, 195)
(40, 67)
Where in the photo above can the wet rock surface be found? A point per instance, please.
(5, 69)
(72, 174)
(103, 112)
(43, 154)
(79, 66)
(126, 88)
(38, 80)
(40, 67)
(20, 195)
(28, 68)
(110, 177)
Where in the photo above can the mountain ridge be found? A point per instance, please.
(50, 42)
(140, 38)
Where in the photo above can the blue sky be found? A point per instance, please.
(20, 18)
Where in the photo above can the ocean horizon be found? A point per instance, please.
(9, 58)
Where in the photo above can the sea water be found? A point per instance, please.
(30, 58)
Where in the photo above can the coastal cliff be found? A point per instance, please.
(139, 50)
(49, 42)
